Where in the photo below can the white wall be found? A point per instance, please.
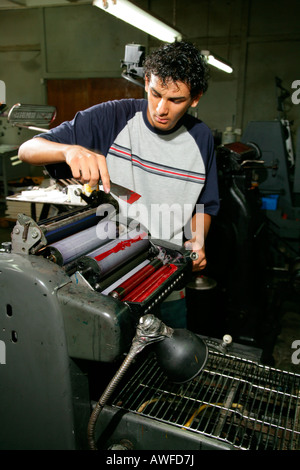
(260, 38)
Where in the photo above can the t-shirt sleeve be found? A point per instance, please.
(94, 128)
(209, 196)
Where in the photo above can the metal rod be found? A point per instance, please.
(233, 400)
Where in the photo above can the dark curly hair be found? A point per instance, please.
(179, 61)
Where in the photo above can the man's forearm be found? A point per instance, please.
(86, 166)
(42, 152)
(200, 227)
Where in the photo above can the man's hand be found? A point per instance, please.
(200, 263)
(200, 226)
(87, 166)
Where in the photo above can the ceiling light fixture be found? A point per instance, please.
(127, 11)
(217, 62)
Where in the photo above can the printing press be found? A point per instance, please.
(74, 289)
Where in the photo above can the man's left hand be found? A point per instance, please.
(200, 262)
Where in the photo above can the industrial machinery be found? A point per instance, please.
(278, 162)
(233, 403)
(279, 176)
(240, 295)
(259, 239)
(73, 291)
(132, 65)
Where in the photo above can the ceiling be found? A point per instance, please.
(21, 4)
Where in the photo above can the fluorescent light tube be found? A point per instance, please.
(217, 62)
(127, 11)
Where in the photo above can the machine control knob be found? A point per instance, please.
(227, 339)
(194, 256)
(6, 247)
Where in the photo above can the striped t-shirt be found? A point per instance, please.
(174, 171)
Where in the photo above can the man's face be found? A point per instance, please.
(167, 103)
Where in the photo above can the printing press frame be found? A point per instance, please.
(63, 339)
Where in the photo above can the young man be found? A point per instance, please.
(151, 146)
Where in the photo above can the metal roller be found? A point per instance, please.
(116, 252)
(68, 249)
(133, 281)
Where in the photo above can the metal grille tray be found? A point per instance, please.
(233, 400)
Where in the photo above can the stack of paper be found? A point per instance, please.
(13, 208)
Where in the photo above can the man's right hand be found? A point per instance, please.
(87, 166)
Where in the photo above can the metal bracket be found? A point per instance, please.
(27, 236)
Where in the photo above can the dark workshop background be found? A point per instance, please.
(68, 53)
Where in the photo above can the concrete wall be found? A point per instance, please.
(260, 39)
